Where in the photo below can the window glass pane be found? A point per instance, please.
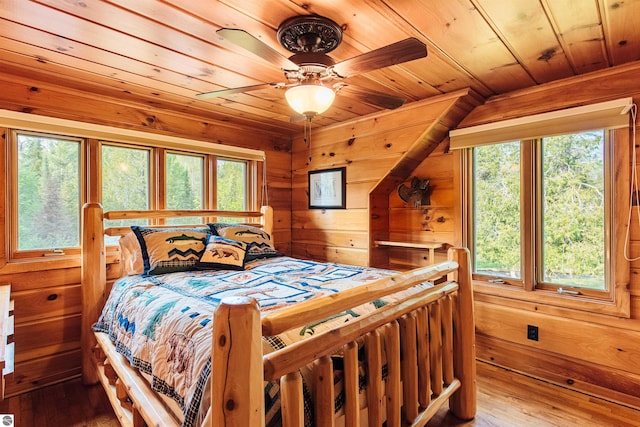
(125, 183)
(184, 183)
(496, 210)
(231, 184)
(48, 192)
(573, 221)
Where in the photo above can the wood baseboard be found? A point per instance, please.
(597, 380)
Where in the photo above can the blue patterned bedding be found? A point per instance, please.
(163, 324)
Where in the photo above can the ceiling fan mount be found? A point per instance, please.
(309, 33)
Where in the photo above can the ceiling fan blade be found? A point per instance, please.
(225, 92)
(396, 53)
(250, 43)
(370, 97)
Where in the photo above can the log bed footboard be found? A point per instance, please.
(433, 331)
(425, 344)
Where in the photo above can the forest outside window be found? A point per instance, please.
(126, 176)
(184, 184)
(47, 198)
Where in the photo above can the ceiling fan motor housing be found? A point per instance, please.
(309, 33)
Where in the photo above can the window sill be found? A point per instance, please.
(499, 293)
(43, 263)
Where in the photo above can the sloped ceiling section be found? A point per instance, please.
(454, 108)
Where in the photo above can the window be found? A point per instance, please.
(184, 185)
(48, 195)
(546, 208)
(231, 185)
(496, 210)
(572, 210)
(125, 182)
(565, 205)
(50, 175)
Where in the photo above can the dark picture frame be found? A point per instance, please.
(328, 189)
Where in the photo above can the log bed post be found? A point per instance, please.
(463, 402)
(94, 278)
(238, 399)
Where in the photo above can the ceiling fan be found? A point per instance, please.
(309, 71)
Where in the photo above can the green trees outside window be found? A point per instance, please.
(567, 210)
(496, 210)
(48, 187)
(184, 185)
(573, 210)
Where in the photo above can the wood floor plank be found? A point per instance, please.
(505, 399)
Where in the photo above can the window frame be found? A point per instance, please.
(14, 253)
(615, 299)
(93, 136)
(605, 293)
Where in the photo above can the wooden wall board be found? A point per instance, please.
(612, 384)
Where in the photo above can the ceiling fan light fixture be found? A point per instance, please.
(310, 99)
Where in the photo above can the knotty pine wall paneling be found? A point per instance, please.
(47, 292)
(379, 151)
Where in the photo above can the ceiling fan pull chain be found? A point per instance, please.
(309, 144)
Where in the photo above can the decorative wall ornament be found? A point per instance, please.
(418, 194)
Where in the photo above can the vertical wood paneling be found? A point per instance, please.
(379, 151)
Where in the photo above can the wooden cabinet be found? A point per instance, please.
(7, 345)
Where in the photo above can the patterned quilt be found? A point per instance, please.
(163, 324)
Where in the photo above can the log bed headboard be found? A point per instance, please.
(94, 261)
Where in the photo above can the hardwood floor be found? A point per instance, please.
(505, 399)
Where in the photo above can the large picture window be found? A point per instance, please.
(559, 189)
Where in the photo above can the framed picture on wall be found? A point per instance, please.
(327, 189)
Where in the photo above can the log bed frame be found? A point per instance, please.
(433, 330)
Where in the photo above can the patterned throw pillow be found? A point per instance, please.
(166, 250)
(223, 254)
(259, 244)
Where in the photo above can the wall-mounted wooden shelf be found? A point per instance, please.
(430, 246)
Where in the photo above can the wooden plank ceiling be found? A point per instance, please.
(165, 52)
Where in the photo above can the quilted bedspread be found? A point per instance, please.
(163, 324)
